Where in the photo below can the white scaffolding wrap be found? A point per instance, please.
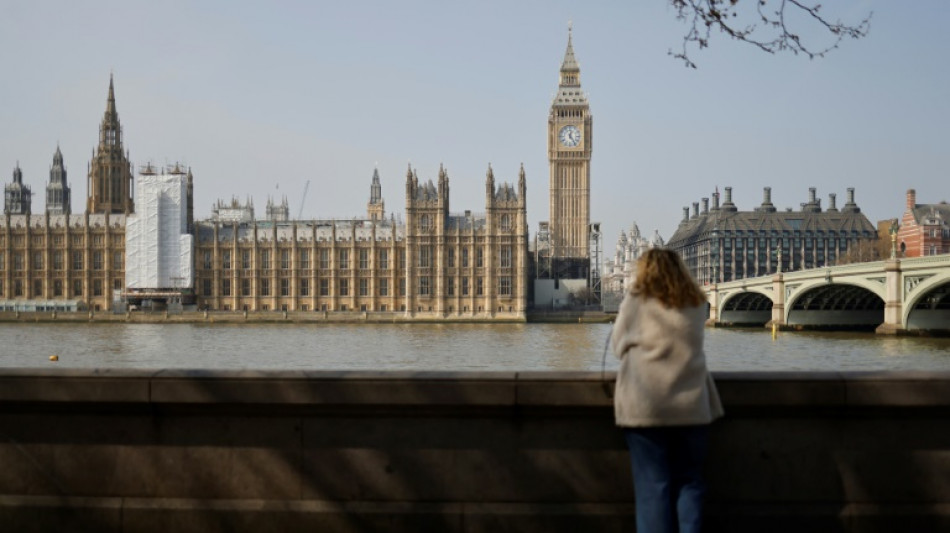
(158, 247)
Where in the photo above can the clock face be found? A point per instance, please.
(570, 136)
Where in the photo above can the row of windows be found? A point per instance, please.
(58, 240)
(363, 308)
(58, 288)
(77, 263)
(427, 223)
(425, 258)
(425, 287)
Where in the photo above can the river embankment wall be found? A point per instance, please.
(174, 450)
(255, 317)
(299, 317)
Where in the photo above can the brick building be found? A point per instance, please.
(924, 228)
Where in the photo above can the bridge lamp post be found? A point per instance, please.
(893, 230)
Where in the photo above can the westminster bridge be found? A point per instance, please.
(892, 296)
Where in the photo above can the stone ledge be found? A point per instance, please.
(448, 389)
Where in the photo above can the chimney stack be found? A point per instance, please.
(685, 214)
(911, 199)
(695, 209)
(716, 201)
(811, 195)
(831, 202)
(705, 206)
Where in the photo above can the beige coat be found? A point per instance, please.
(662, 380)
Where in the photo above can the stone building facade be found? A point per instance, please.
(63, 261)
(621, 269)
(722, 243)
(924, 228)
(434, 265)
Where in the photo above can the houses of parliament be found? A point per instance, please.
(433, 263)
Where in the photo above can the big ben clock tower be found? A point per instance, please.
(569, 147)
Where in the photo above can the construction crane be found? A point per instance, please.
(303, 198)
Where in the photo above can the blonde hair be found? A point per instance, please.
(663, 275)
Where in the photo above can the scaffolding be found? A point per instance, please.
(596, 263)
(542, 250)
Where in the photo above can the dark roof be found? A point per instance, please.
(756, 222)
(931, 214)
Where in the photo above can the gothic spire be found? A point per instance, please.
(570, 70)
(570, 62)
(110, 103)
(375, 189)
(110, 172)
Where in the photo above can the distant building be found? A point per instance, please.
(233, 212)
(62, 261)
(924, 228)
(570, 141)
(621, 269)
(278, 212)
(724, 244)
(436, 265)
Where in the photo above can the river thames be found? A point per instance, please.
(440, 347)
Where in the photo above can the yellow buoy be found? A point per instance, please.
(54, 358)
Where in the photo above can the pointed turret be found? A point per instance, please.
(490, 182)
(522, 185)
(376, 208)
(17, 198)
(375, 189)
(58, 199)
(110, 103)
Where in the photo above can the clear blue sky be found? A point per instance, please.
(256, 96)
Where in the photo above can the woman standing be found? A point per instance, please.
(665, 398)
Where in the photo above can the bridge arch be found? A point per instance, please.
(835, 306)
(927, 305)
(746, 308)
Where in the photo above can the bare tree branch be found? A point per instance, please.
(768, 28)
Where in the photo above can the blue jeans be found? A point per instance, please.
(668, 477)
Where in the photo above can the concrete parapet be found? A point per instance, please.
(171, 450)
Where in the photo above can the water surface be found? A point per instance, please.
(508, 347)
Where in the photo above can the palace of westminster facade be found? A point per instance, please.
(435, 264)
